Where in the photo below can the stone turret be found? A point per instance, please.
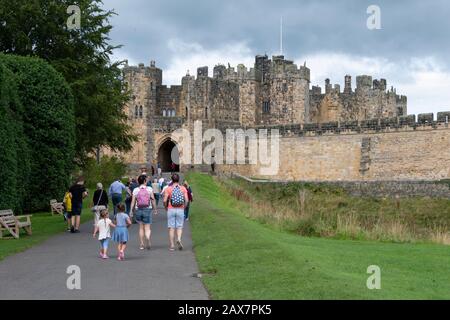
(348, 84)
(328, 86)
(202, 72)
(363, 81)
(219, 71)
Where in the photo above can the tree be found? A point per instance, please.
(82, 56)
(49, 127)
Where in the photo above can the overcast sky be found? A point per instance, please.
(411, 50)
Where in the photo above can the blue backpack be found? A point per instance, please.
(177, 197)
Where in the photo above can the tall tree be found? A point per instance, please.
(82, 55)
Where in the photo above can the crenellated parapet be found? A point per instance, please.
(383, 125)
(240, 73)
(277, 67)
(370, 99)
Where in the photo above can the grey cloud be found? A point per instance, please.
(410, 28)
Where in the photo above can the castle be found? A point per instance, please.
(337, 132)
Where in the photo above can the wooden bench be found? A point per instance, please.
(12, 224)
(56, 207)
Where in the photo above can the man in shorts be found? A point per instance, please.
(175, 199)
(77, 193)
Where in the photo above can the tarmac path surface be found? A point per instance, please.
(41, 272)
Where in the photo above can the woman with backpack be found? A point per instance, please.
(175, 199)
(142, 203)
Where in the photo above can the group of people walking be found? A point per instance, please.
(142, 196)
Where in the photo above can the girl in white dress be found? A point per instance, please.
(103, 227)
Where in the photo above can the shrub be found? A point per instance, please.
(109, 169)
(14, 155)
(48, 122)
(306, 227)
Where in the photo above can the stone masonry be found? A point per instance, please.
(335, 135)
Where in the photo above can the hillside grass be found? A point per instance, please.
(328, 211)
(242, 258)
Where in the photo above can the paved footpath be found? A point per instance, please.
(40, 272)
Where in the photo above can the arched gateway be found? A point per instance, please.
(168, 153)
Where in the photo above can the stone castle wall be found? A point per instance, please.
(350, 135)
(361, 152)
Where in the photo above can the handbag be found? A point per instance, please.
(97, 208)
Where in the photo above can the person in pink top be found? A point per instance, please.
(175, 199)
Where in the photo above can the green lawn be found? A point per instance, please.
(44, 225)
(248, 260)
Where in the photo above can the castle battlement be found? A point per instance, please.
(363, 82)
(274, 91)
(282, 68)
(339, 133)
(241, 73)
(384, 125)
(276, 68)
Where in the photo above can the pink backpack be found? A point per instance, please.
(143, 198)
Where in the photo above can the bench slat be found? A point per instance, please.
(8, 218)
(24, 224)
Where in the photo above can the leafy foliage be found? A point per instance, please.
(39, 28)
(109, 169)
(9, 149)
(48, 122)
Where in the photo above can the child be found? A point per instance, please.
(103, 228)
(68, 209)
(120, 234)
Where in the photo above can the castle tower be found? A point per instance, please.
(187, 97)
(284, 97)
(142, 81)
(348, 84)
(328, 86)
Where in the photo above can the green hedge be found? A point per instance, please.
(13, 166)
(49, 126)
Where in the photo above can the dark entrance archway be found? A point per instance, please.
(165, 153)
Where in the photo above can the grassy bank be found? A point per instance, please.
(44, 226)
(326, 211)
(244, 259)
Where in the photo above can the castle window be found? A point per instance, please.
(399, 111)
(164, 113)
(140, 112)
(206, 113)
(136, 112)
(266, 107)
(285, 109)
(285, 87)
(173, 113)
